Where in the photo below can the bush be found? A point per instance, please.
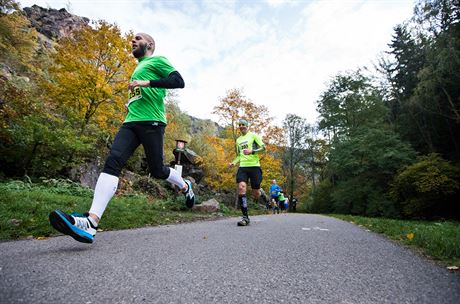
(321, 201)
(428, 188)
(363, 196)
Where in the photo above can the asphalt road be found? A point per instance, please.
(288, 258)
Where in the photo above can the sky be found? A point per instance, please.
(280, 53)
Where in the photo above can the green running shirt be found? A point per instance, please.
(248, 141)
(146, 104)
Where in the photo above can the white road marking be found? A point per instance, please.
(315, 228)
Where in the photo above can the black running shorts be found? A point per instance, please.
(250, 173)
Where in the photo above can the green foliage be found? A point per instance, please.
(321, 199)
(362, 196)
(375, 152)
(423, 78)
(437, 95)
(349, 103)
(423, 98)
(364, 164)
(355, 201)
(430, 187)
(40, 144)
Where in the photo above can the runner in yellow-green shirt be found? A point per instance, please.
(248, 147)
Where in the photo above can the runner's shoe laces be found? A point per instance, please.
(83, 223)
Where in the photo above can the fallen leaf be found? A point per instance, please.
(410, 236)
(15, 222)
(41, 238)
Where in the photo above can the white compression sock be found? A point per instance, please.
(106, 187)
(175, 178)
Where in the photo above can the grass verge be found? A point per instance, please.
(439, 240)
(24, 209)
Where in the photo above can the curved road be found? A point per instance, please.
(288, 258)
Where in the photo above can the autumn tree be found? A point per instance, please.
(235, 105)
(90, 76)
(215, 156)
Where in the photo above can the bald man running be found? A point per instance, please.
(144, 125)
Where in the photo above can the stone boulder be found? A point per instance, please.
(208, 206)
(87, 173)
(150, 186)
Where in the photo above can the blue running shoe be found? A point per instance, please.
(76, 225)
(189, 195)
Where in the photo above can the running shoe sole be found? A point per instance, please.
(242, 225)
(190, 203)
(61, 224)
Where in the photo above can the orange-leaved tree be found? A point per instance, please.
(90, 77)
(218, 175)
(235, 105)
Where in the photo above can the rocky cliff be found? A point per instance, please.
(52, 23)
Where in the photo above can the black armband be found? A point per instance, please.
(173, 81)
(262, 148)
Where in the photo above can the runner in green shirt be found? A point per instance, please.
(144, 125)
(248, 148)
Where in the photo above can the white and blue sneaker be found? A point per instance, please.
(189, 195)
(244, 221)
(76, 225)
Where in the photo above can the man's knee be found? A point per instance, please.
(113, 165)
(242, 188)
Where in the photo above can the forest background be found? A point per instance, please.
(386, 143)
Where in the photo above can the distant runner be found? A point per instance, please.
(248, 147)
(281, 202)
(275, 191)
